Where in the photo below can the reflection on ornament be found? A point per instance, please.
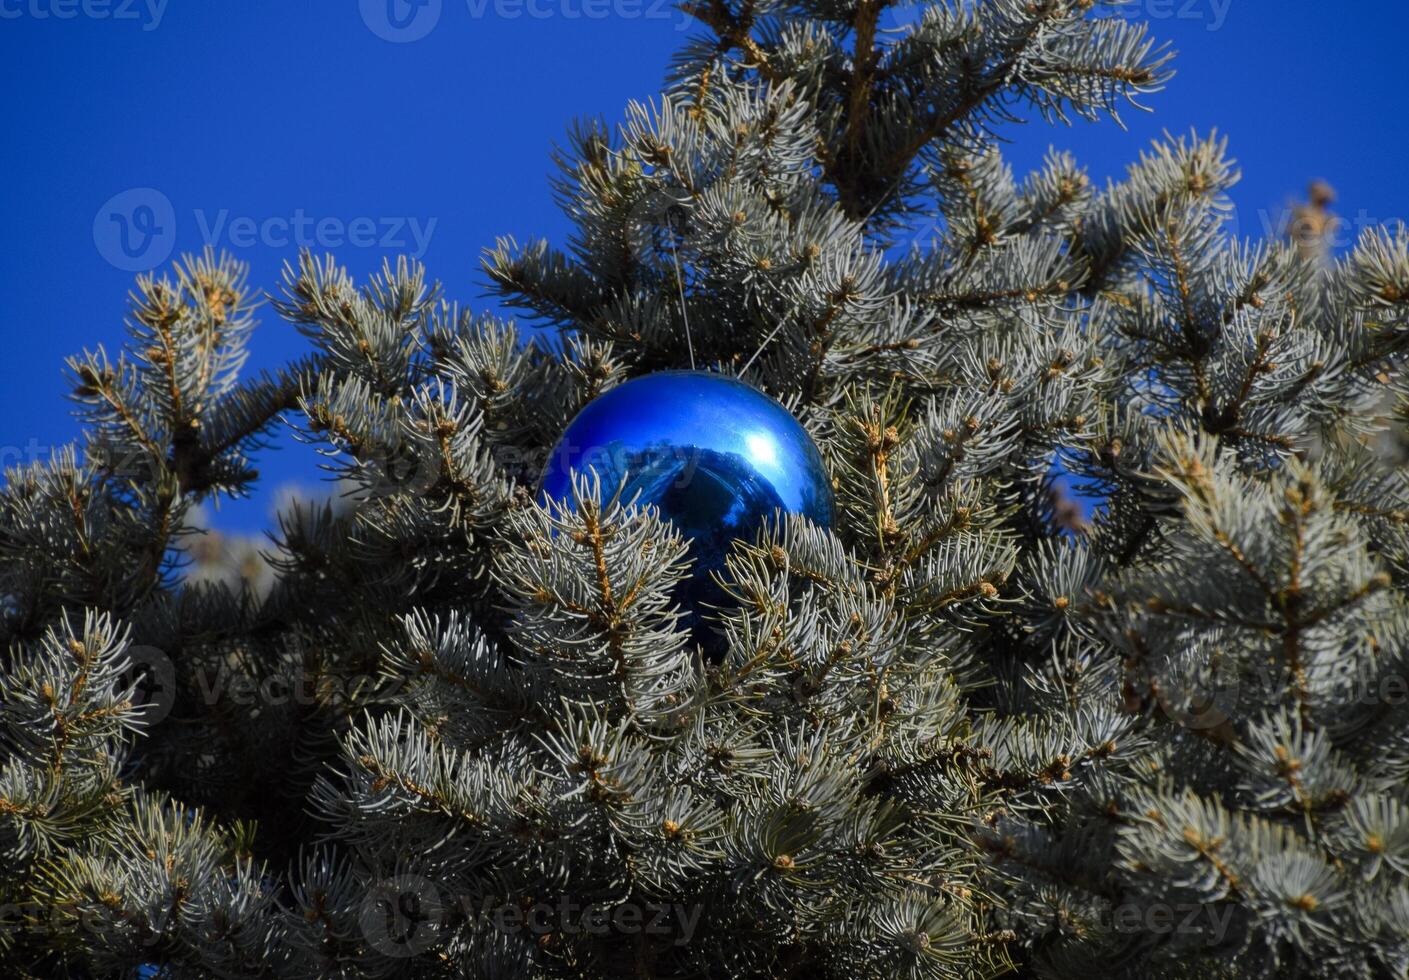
(716, 456)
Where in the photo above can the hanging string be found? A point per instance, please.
(684, 315)
(895, 186)
(772, 333)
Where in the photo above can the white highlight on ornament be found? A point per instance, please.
(762, 448)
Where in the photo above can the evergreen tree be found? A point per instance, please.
(454, 732)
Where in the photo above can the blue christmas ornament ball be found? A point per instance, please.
(716, 456)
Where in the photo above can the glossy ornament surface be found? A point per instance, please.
(715, 455)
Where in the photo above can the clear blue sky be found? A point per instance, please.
(261, 122)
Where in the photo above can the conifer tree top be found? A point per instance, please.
(447, 730)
